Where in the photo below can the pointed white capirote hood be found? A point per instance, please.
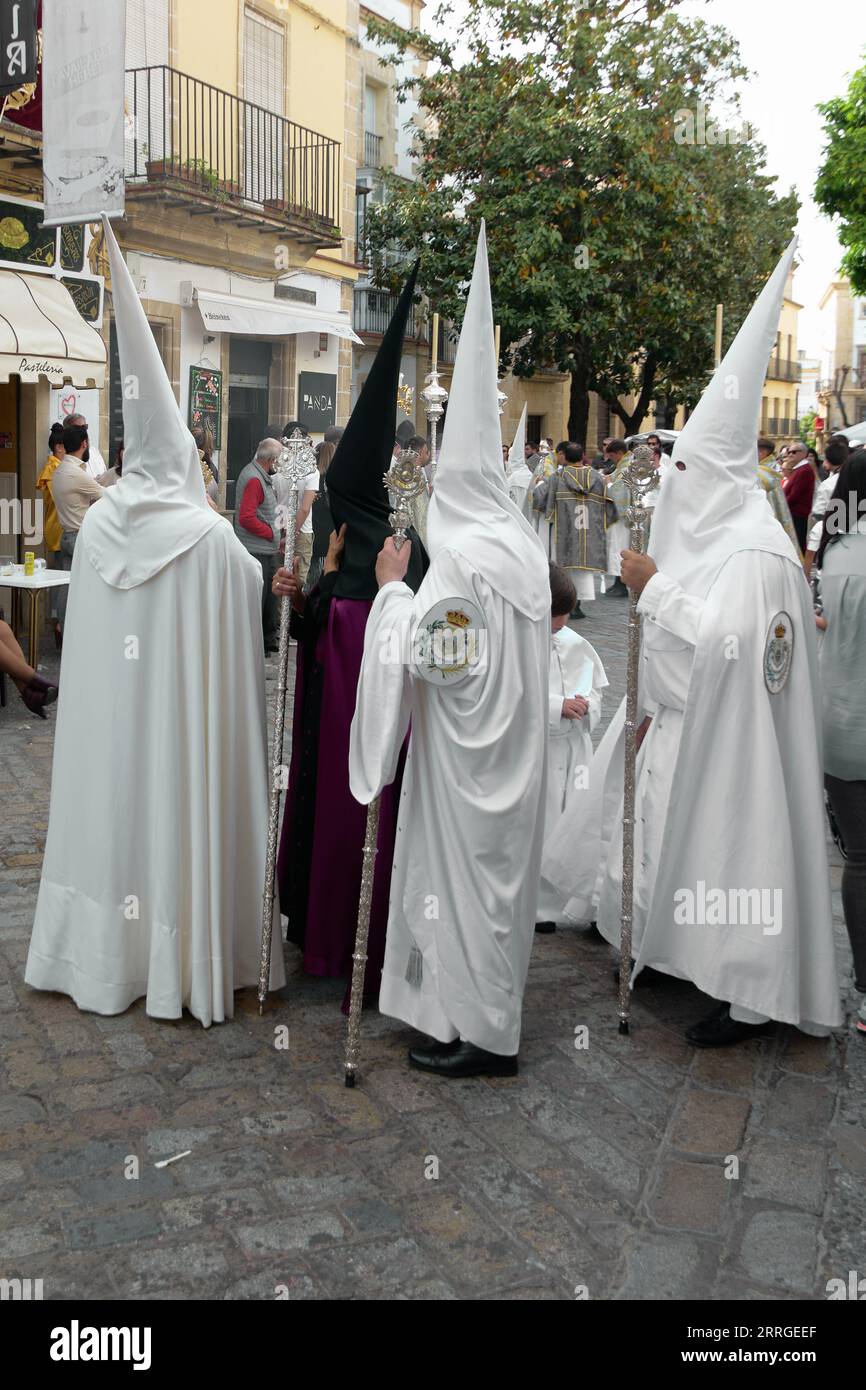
(470, 511)
(517, 473)
(712, 507)
(158, 508)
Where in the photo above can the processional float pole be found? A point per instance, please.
(641, 477)
(405, 481)
(296, 460)
(500, 394)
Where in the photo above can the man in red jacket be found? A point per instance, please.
(798, 483)
(257, 527)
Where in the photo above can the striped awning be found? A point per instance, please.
(43, 334)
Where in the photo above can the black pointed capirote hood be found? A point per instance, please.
(356, 492)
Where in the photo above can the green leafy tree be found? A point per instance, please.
(807, 427)
(841, 187)
(617, 213)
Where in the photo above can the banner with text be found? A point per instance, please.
(82, 109)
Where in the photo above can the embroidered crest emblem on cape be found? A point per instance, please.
(449, 641)
(778, 652)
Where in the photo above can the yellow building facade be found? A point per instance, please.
(841, 386)
(780, 410)
(242, 127)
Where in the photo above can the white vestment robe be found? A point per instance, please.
(575, 669)
(618, 540)
(729, 782)
(155, 857)
(469, 833)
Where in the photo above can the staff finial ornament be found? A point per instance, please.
(405, 481)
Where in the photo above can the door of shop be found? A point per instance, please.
(249, 369)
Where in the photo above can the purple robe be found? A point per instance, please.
(322, 841)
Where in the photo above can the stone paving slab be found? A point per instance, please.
(635, 1168)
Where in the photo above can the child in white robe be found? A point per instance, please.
(576, 681)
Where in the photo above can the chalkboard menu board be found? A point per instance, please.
(72, 246)
(317, 401)
(86, 297)
(23, 239)
(206, 401)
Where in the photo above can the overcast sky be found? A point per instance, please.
(801, 52)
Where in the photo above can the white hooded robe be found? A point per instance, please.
(154, 862)
(517, 475)
(729, 777)
(469, 833)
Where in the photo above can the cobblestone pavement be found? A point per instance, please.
(603, 1168)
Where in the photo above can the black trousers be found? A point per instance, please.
(801, 526)
(848, 807)
(270, 604)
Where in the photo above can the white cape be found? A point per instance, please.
(154, 863)
(468, 851)
(744, 811)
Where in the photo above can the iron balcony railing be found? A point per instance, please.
(447, 343)
(374, 308)
(362, 250)
(187, 131)
(784, 369)
(372, 150)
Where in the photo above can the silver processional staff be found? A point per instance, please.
(297, 459)
(640, 476)
(405, 481)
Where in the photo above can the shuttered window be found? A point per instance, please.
(264, 87)
(264, 76)
(148, 134)
(146, 33)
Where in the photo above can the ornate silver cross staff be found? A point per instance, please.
(640, 476)
(434, 397)
(295, 462)
(405, 481)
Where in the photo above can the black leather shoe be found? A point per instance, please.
(461, 1059)
(718, 1029)
(577, 613)
(545, 928)
(647, 976)
(616, 590)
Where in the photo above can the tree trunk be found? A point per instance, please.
(578, 406)
(633, 421)
(838, 388)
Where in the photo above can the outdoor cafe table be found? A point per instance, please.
(34, 584)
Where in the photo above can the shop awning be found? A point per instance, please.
(43, 334)
(267, 318)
